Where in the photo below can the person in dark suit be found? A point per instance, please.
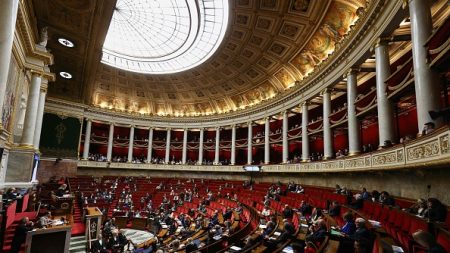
(319, 232)
(99, 245)
(20, 235)
(115, 243)
(362, 233)
(335, 209)
(191, 246)
(287, 212)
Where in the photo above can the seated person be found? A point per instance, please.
(305, 209)
(349, 227)
(45, 220)
(335, 209)
(357, 203)
(427, 240)
(318, 232)
(228, 213)
(265, 212)
(116, 242)
(99, 245)
(362, 233)
(11, 193)
(191, 246)
(174, 246)
(386, 199)
(417, 208)
(62, 190)
(228, 228)
(436, 210)
(288, 233)
(316, 215)
(288, 213)
(239, 209)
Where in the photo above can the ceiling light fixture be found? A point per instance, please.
(66, 42)
(65, 75)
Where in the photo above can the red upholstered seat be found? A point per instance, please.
(443, 238)
(405, 238)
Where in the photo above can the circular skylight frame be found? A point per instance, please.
(65, 75)
(132, 41)
(65, 42)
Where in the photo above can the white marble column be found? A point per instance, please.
(250, 143)
(8, 16)
(167, 158)
(131, 145)
(150, 145)
(267, 140)
(426, 82)
(32, 108)
(87, 139)
(354, 134)
(385, 110)
(184, 152)
(285, 130)
(305, 138)
(328, 151)
(233, 145)
(216, 150)
(110, 142)
(40, 114)
(200, 147)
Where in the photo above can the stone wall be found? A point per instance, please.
(411, 183)
(52, 168)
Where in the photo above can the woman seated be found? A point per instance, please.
(349, 227)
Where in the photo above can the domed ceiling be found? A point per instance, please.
(269, 47)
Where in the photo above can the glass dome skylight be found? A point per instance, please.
(164, 36)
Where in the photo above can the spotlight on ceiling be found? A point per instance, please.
(65, 75)
(66, 42)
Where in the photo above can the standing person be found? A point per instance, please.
(20, 235)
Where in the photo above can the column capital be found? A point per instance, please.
(351, 71)
(88, 119)
(151, 128)
(233, 125)
(326, 90)
(250, 123)
(36, 72)
(305, 103)
(168, 128)
(381, 41)
(132, 126)
(112, 123)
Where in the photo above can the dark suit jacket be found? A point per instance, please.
(97, 247)
(20, 235)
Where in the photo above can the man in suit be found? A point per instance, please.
(319, 232)
(115, 243)
(20, 235)
(99, 245)
(191, 246)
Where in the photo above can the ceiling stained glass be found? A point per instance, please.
(164, 36)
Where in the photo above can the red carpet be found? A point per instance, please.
(78, 229)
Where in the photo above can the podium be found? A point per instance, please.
(93, 224)
(50, 240)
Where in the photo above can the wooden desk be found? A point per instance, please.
(55, 239)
